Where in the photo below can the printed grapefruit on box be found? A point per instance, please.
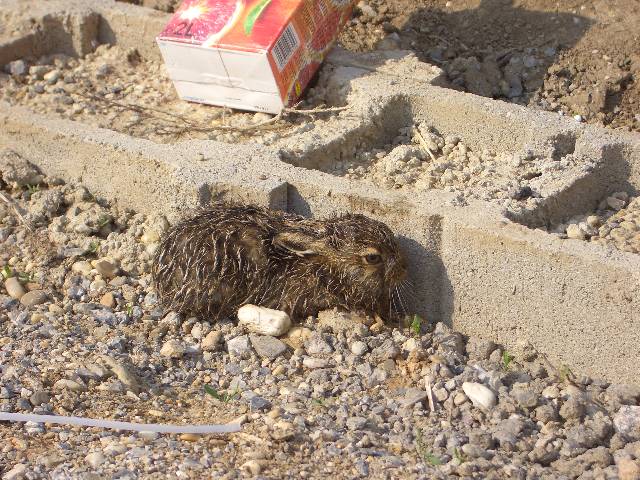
(249, 54)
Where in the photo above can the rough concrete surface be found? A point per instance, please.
(481, 266)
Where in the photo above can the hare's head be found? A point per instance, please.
(361, 253)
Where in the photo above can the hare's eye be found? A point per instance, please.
(373, 258)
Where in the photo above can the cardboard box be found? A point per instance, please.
(249, 54)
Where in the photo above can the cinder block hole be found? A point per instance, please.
(534, 181)
(601, 207)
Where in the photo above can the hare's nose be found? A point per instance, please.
(397, 269)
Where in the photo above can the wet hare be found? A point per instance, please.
(229, 255)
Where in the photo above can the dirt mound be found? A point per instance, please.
(575, 58)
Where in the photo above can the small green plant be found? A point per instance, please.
(224, 397)
(431, 458)
(507, 358)
(33, 189)
(93, 248)
(129, 309)
(416, 325)
(27, 277)
(6, 272)
(427, 455)
(319, 402)
(103, 220)
(566, 375)
(459, 455)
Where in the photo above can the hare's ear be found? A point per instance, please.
(297, 243)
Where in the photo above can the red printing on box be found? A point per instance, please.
(294, 34)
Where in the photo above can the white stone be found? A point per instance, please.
(172, 349)
(52, 77)
(359, 348)
(574, 231)
(95, 459)
(410, 345)
(479, 395)
(66, 384)
(264, 320)
(313, 362)
(14, 288)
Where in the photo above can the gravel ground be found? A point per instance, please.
(81, 333)
(116, 89)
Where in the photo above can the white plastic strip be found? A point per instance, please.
(137, 427)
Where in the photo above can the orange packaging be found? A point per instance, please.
(249, 54)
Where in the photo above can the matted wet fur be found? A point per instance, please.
(229, 255)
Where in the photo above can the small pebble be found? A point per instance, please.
(211, 342)
(574, 232)
(105, 267)
(52, 77)
(108, 300)
(33, 298)
(239, 346)
(313, 362)
(359, 348)
(253, 467)
(95, 459)
(573, 408)
(297, 336)
(172, 349)
(14, 288)
(479, 395)
(267, 347)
